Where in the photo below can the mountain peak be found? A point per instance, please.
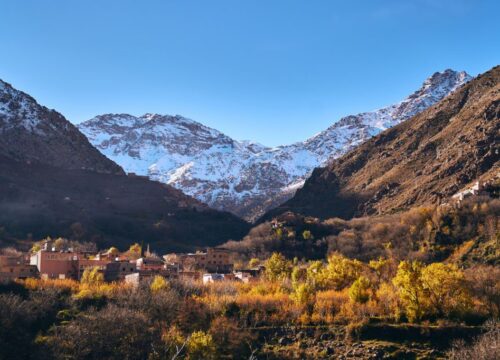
(244, 177)
(31, 132)
(419, 162)
(447, 78)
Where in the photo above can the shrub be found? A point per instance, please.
(95, 335)
(231, 341)
(486, 347)
(253, 262)
(328, 304)
(303, 294)
(200, 346)
(159, 283)
(174, 341)
(484, 282)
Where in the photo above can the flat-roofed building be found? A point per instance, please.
(214, 260)
(16, 267)
(118, 270)
(151, 263)
(65, 264)
(56, 265)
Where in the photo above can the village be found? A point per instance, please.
(132, 267)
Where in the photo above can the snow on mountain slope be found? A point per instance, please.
(243, 177)
(30, 132)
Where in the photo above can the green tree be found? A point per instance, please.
(315, 272)
(135, 251)
(379, 267)
(434, 290)
(35, 248)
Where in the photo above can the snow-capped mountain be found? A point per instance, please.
(53, 181)
(32, 133)
(243, 177)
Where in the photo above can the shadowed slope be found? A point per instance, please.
(421, 161)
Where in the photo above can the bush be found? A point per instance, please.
(486, 347)
(231, 341)
(158, 284)
(112, 333)
(200, 346)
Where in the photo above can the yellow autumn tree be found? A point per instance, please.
(359, 292)
(445, 290)
(340, 272)
(134, 252)
(113, 251)
(409, 284)
(92, 276)
(278, 267)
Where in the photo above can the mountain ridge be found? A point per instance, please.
(243, 177)
(53, 182)
(424, 160)
(31, 132)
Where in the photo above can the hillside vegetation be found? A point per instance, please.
(464, 233)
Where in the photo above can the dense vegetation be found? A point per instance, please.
(467, 232)
(91, 319)
(429, 268)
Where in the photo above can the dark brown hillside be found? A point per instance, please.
(31, 132)
(38, 200)
(53, 182)
(424, 160)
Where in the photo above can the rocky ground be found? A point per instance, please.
(338, 342)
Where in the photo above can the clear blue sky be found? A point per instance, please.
(271, 71)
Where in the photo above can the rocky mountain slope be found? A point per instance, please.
(424, 160)
(54, 182)
(243, 177)
(31, 132)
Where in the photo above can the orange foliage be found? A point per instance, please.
(38, 284)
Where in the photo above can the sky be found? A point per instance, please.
(273, 71)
